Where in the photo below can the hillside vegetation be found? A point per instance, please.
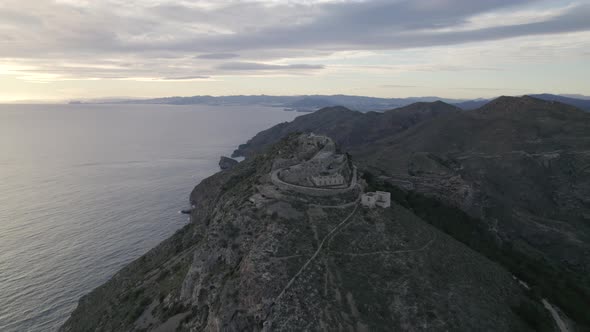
(517, 168)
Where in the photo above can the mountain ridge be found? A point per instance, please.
(581, 103)
(342, 123)
(484, 203)
(261, 259)
(315, 102)
(516, 164)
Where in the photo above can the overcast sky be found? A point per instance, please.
(70, 49)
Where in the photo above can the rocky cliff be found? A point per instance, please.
(256, 257)
(227, 163)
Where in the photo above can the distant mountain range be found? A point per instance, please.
(315, 102)
(296, 103)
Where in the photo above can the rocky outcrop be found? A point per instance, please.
(226, 163)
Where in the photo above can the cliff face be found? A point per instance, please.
(257, 257)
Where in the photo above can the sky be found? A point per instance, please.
(56, 50)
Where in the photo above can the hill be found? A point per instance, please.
(581, 102)
(517, 166)
(470, 105)
(259, 256)
(347, 127)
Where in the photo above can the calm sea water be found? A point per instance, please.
(85, 189)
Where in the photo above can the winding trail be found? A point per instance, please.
(317, 252)
(556, 317)
(341, 206)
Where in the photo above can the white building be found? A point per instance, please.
(378, 198)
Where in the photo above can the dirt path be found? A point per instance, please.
(317, 252)
(341, 206)
(556, 317)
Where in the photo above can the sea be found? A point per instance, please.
(86, 189)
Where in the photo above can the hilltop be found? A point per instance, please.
(268, 250)
(582, 102)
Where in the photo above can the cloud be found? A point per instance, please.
(185, 78)
(157, 39)
(394, 25)
(401, 86)
(251, 66)
(217, 56)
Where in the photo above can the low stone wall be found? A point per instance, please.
(310, 190)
